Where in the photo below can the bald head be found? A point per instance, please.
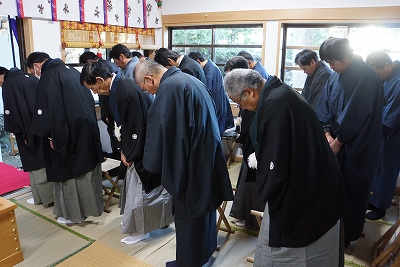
(148, 74)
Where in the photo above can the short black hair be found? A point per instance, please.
(36, 57)
(83, 59)
(335, 49)
(305, 56)
(94, 69)
(137, 54)
(161, 56)
(237, 62)
(3, 70)
(378, 59)
(196, 56)
(246, 55)
(119, 49)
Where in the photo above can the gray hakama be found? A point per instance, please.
(42, 191)
(323, 252)
(79, 197)
(144, 212)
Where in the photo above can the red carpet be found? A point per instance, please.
(11, 178)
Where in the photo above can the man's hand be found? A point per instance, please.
(336, 146)
(329, 138)
(123, 159)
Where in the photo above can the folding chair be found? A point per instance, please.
(259, 216)
(222, 217)
(110, 184)
(230, 136)
(391, 251)
(14, 149)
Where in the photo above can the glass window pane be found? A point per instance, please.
(205, 51)
(291, 55)
(313, 36)
(367, 39)
(238, 36)
(295, 78)
(192, 36)
(222, 54)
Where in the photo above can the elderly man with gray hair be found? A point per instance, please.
(297, 174)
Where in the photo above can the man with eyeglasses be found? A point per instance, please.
(183, 144)
(297, 174)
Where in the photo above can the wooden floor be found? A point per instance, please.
(44, 242)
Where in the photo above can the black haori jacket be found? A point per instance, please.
(298, 174)
(19, 90)
(65, 113)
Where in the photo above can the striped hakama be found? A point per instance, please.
(143, 212)
(323, 252)
(79, 197)
(42, 191)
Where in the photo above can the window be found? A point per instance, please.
(72, 54)
(218, 43)
(72, 59)
(363, 38)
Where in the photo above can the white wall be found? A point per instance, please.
(47, 37)
(190, 6)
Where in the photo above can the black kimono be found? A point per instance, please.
(107, 117)
(297, 173)
(65, 113)
(132, 105)
(315, 84)
(143, 211)
(189, 66)
(183, 143)
(351, 109)
(19, 91)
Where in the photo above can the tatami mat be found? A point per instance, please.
(44, 242)
(100, 255)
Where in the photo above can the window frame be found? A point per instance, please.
(330, 24)
(213, 46)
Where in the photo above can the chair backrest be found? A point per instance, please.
(235, 109)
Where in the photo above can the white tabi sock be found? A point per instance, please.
(241, 223)
(30, 201)
(134, 238)
(72, 221)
